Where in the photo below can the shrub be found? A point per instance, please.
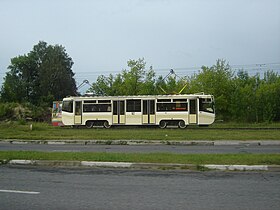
(7, 110)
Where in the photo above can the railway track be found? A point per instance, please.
(187, 127)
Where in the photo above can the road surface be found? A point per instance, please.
(230, 149)
(56, 188)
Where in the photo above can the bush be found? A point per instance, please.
(21, 112)
(39, 113)
(7, 110)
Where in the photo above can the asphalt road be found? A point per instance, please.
(56, 188)
(231, 149)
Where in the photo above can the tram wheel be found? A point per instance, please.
(182, 124)
(89, 124)
(162, 124)
(106, 124)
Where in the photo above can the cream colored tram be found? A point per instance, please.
(160, 110)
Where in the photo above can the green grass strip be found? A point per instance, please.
(249, 159)
(41, 131)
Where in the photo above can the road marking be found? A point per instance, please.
(21, 192)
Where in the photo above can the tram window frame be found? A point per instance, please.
(133, 105)
(67, 106)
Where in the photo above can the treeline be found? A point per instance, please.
(238, 96)
(45, 74)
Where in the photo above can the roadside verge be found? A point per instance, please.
(148, 142)
(162, 166)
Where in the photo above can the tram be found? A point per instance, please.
(158, 110)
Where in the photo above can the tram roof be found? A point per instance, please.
(85, 97)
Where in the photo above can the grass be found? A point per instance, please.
(248, 159)
(42, 131)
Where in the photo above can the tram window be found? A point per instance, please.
(118, 107)
(67, 106)
(193, 106)
(122, 107)
(181, 106)
(90, 102)
(115, 107)
(164, 100)
(163, 107)
(205, 106)
(152, 107)
(104, 101)
(180, 100)
(145, 107)
(78, 109)
(133, 105)
(148, 108)
(97, 108)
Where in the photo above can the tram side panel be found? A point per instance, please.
(97, 112)
(139, 111)
(68, 113)
(171, 116)
(172, 110)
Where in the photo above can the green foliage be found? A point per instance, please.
(43, 131)
(6, 110)
(22, 112)
(171, 85)
(136, 81)
(239, 97)
(216, 80)
(14, 111)
(255, 99)
(41, 76)
(228, 159)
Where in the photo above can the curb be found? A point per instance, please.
(167, 166)
(238, 167)
(149, 142)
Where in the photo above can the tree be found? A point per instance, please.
(149, 87)
(268, 97)
(42, 75)
(243, 97)
(135, 81)
(216, 80)
(255, 99)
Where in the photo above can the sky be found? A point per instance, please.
(102, 35)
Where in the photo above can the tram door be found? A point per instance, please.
(118, 112)
(193, 111)
(149, 116)
(78, 113)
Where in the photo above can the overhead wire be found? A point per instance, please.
(181, 70)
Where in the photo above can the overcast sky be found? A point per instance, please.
(102, 35)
